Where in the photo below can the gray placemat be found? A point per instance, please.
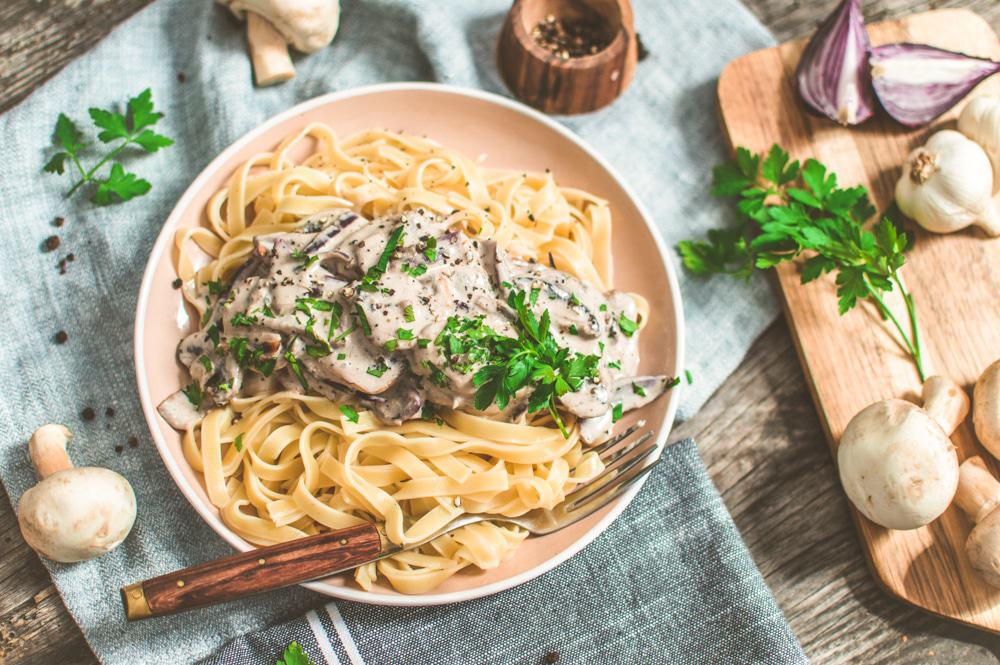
(662, 135)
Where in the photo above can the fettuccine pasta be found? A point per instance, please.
(283, 465)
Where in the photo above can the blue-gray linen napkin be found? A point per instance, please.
(669, 581)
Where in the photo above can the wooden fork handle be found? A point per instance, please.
(258, 570)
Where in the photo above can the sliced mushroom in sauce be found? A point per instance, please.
(350, 309)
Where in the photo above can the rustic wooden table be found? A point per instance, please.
(759, 434)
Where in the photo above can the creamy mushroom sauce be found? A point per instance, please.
(352, 309)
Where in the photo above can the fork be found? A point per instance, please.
(627, 459)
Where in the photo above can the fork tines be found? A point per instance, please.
(625, 465)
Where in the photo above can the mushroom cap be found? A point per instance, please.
(986, 409)
(983, 548)
(77, 514)
(308, 25)
(897, 465)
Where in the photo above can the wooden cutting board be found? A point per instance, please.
(851, 361)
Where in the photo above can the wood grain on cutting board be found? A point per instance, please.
(853, 360)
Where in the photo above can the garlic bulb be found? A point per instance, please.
(980, 121)
(948, 184)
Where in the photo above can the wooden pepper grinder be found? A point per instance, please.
(550, 78)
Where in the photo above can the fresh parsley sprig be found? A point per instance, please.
(787, 209)
(130, 129)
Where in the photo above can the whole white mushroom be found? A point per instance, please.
(73, 514)
(979, 496)
(986, 409)
(897, 464)
(307, 25)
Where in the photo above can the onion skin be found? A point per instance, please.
(833, 75)
(916, 83)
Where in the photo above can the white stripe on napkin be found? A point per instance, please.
(345, 635)
(321, 639)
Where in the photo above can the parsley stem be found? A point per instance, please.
(555, 416)
(911, 311)
(914, 352)
(89, 175)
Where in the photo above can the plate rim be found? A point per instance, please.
(164, 241)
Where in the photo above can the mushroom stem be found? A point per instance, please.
(978, 491)
(47, 449)
(268, 51)
(945, 402)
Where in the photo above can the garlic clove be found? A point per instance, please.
(947, 185)
(916, 83)
(980, 121)
(833, 76)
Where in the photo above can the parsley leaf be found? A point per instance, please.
(349, 413)
(294, 655)
(120, 186)
(194, 394)
(239, 442)
(787, 210)
(121, 130)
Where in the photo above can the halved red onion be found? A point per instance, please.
(833, 75)
(916, 83)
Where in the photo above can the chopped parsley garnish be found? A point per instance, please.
(223, 387)
(416, 271)
(378, 369)
(430, 248)
(573, 329)
(374, 274)
(250, 357)
(438, 377)
(293, 364)
(307, 259)
(239, 442)
(362, 320)
(408, 315)
(214, 287)
(533, 359)
(194, 394)
(687, 375)
(206, 363)
(615, 365)
(316, 351)
(603, 307)
(423, 342)
(403, 333)
(206, 316)
(616, 412)
(341, 356)
(574, 300)
(342, 335)
(349, 413)
(266, 311)
(391, 345)
(242, 319)
(638, 390)
(213, 334)
(674, 382)
(627, 325)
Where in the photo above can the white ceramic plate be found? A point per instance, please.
(509, 135)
